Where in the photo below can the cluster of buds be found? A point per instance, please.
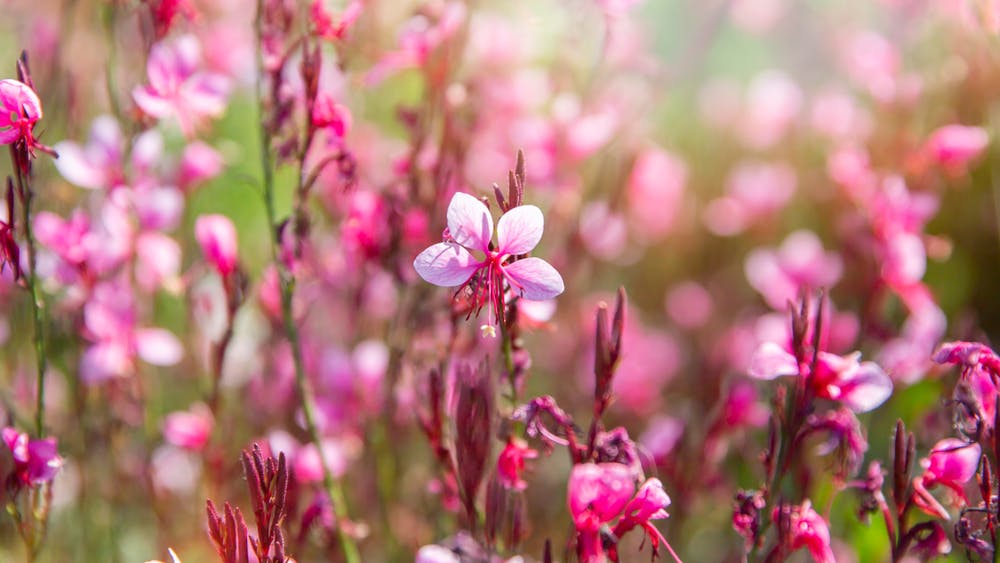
(267, 481)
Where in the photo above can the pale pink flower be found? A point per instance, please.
(800, 264)
(603, 230)
(216, 235)
(20, 110)
(98, 164)
(757, 16)
(470, 227)
(158, 259)
(190, 429)
(754, 190)
(655, 191)
(178, 89)
(773, 102)
(689, 305)
(199, 162)
(116, 341)
(872, 62)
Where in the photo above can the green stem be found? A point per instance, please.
(287, 285)
(37, 306)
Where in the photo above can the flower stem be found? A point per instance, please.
(287, 286)
(26, 193)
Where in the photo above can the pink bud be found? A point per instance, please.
(510, 464)
(217, 236)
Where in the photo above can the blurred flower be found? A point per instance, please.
(216, 235)
(955, 146)
(655, 189)
(450, 264)
(324, 24)
(199, 162)
(327, 113)
(177, 88)
(510, 464)
(36, 460)
(189, 429)
(799, 264)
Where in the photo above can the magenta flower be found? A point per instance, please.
(810, 531)
(35, 461)
(598, 492)
(178, 89)
(951, 464)
(216, 235)
(21, 110)
(470, 227)
(510, 464)
(860, 386)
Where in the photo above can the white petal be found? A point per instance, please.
(445, 264)
(520, 229)
(158, 347)
(537, 278)
(771, 361)
(469, 222)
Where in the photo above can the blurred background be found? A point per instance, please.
(714, 158)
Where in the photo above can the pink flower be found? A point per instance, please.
(955, 146)
(655, 190)
(510, 464)
(799, 264)
(110, 325)
(598, 492)
(860, 386)
(189, 429)
(327, 113)
(21, 110)
(324, 24)
(951, 464)
(809, 530)
(470, 227)
(36, 461)
(216, 235)
(99, 164)
(649, 503)
(178, 89)
(199, 162)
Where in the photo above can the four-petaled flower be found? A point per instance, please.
(470, 227)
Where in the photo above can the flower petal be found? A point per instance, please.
(469, 222)
(537, 278)
(866, 387)
(520, 229)
(158, 346)
(771, 361)
(445, 264)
